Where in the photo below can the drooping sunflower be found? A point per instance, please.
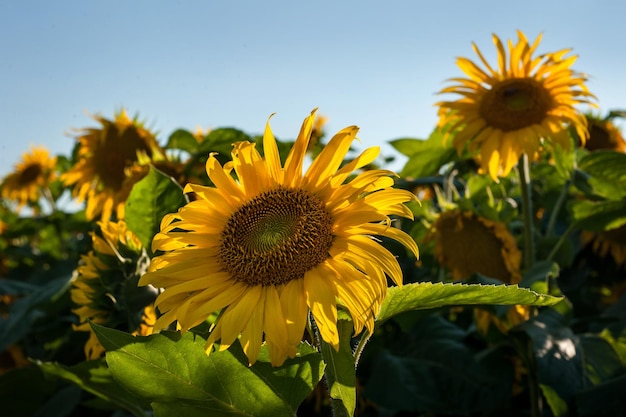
(467, 244)
(30, 176)
(518, 108)
(266, 248)
(105, 286)
(603, 134)
(107, 164)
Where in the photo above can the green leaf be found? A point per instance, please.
(221, 140)
(426, 157)
(150, 199)
(164, 371)
(557, 351)
(557, 405)
(94, 377)
(597, 216)
(23, 391)
(341, 369)
(607, 170)
(433, 369)
(182, 139)
(25, 311)
(425, 295)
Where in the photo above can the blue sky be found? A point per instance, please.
(215, 64)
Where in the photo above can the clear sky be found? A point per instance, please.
(192, 63)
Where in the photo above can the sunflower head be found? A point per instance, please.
(105, 286)
(267, 244)
(30, 177)
(523, 104)
(603, 134)
(107, 158)
(608, 243)
(467, 244)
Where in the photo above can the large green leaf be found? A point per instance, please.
(598, 216)
(176, 370)
(150, 199)
(433, 369)
(94, 377)
(425, 295)
(341, 369)
(607, 173)
(25, 311)
(425, 156)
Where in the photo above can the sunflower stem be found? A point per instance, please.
(557, 208)
(359, 348)
(527, 211)
(561, 240)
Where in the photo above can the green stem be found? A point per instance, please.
(359, 348)
(557, 207)
(561, 240)
(527, 211)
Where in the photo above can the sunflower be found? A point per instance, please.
(30, 177)
(105, 287)
(107, 160)
(609, 242)
(603, 134)
(274, 244)
(468, 244)
(518, 108)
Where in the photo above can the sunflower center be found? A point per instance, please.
(30, 174)
(276, 237)
(516, 103)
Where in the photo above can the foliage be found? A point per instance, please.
(549, 341)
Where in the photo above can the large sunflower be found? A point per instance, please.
(107, 166)
(30, 176)
(105, 286)
(273, 244)
(517, 108)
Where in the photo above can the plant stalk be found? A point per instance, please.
(527, 211)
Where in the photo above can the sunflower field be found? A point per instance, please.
(230, 273)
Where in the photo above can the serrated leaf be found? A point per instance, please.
(94, 377)
(426, 295)
(149, 200)
(161, 370)
(182, 139)
(425, 156)
(341, 368)
(597, 216)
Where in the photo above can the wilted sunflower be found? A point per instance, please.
(107, 164)
(468, 244)
(272, 244)
(30, 177)
(603, 134)
(105, 287)
(517, 108)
